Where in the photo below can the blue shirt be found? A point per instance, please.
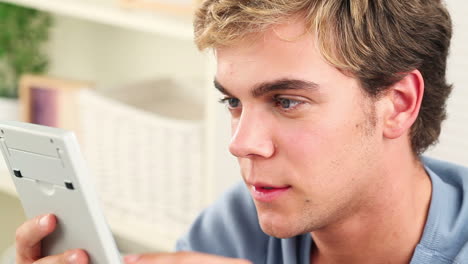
(230, 227)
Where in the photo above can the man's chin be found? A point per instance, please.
(284, 229)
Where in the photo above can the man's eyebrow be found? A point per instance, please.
(272, 86)
(282, 84)
(221, 88)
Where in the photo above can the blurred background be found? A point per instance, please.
(126, 76)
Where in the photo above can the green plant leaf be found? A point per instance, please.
(23, 32)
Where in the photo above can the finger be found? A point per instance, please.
(76, 256)
(182, 258)
(29, 236)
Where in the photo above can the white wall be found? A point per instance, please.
(453, 144)
(110, 56)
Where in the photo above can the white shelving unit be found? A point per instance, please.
(109, 12)
(101, 42)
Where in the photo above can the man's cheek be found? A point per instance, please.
(304, 145)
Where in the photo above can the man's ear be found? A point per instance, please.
(403, 104)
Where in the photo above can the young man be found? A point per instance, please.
(332, 103)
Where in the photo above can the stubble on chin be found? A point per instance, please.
(286, 225)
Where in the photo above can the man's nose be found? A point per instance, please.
(252, 136)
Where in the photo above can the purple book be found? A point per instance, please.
(44, 106)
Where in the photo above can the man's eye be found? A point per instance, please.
(231, 102)
(287, 103)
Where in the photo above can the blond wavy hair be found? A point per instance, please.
(377, 41)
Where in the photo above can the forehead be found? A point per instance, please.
(286, 51)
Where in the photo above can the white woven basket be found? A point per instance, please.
(147, 167)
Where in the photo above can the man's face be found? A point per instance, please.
(306, 138)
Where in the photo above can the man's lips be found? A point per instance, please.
(267, 188)
(267, 193)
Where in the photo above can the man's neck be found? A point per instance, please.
(384, 231)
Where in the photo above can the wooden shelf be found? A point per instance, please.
(111, 13)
